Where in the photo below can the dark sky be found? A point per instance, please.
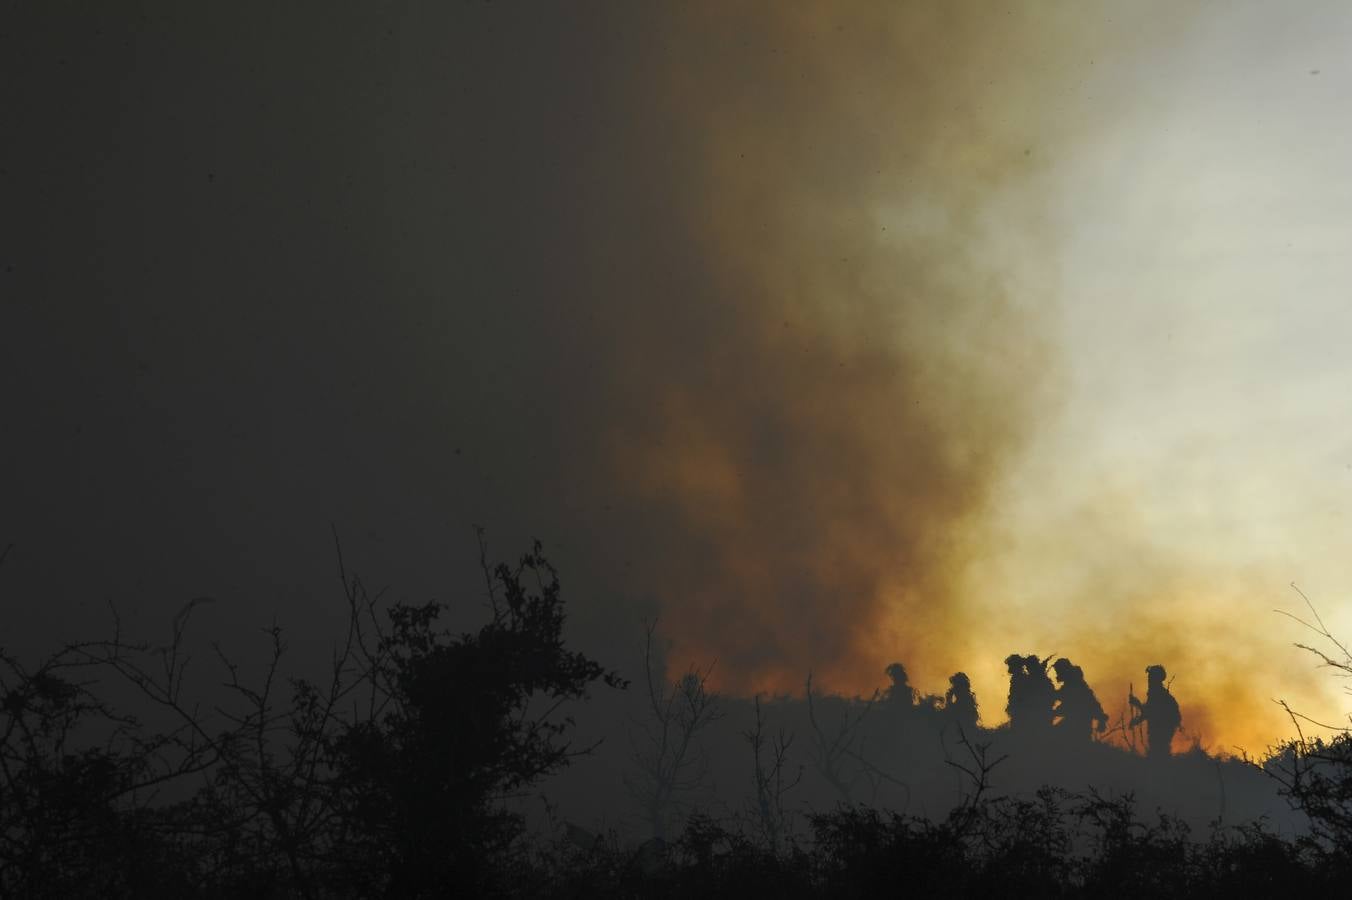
(618, 278)
(267, 269)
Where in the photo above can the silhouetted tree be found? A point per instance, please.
(471, 719)
(770, 758)
(1315, 773)
(837, 753)
(387, 781)
(667, 756)
(79, 781)
(977, 766)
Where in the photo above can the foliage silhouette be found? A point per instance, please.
(667, 760)
(387, 782)
(1315, 773)
(417, 785)
(394, 777)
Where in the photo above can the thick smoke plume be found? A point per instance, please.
(747, 310)
(821, 368)
(822, 336)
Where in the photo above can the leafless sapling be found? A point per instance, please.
(669, 762)
(835, 750)
(773, 778)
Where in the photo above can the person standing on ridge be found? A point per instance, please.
(1159, 712)
(1017, 706)
(1041, 691)
(1031, 694)
(1079, 711)
(960, 706)
(900, 696)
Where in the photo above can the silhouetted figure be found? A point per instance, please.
(1079, 711)
(960, 707)
(1041, 691)
(1031, 694)
(1018, 689)
(900, 696)
(1159, 712)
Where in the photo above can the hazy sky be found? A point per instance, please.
(835, 333)
(1203, 456)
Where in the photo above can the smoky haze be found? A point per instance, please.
(745, 310)
(822, 378)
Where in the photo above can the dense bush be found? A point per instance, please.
(1058, 844)
(388, 781)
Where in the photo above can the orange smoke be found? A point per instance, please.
(820, 413)
(830, 344)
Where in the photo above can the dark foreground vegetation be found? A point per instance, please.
(395, 777)
(1056, 845)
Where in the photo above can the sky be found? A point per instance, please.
(1202, 282)
(828, 334)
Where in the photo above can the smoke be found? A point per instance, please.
(828, 342)
(821, 365)
(753, 318)
(748, 310)
(1107, 591)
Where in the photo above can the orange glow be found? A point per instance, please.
(860, 376)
